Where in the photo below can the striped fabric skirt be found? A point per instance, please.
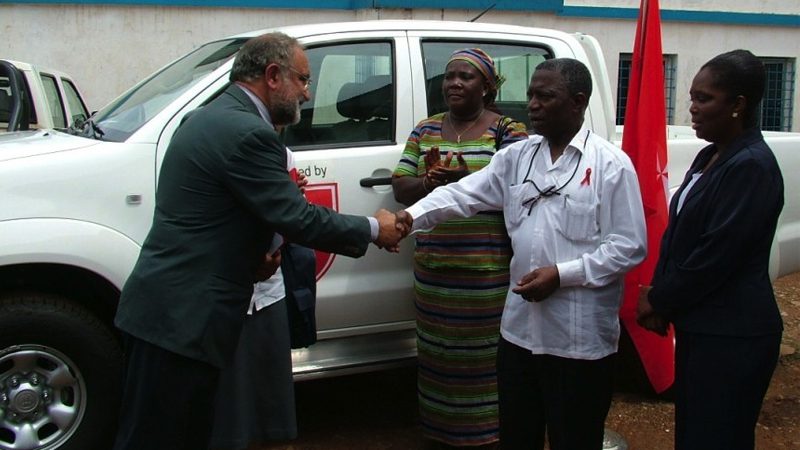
(458, 326)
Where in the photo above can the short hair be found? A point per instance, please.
(575, 73)
(261, 51)
(740, 72)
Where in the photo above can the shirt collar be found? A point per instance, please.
(262, 108)
(580, 139)
(578, 142)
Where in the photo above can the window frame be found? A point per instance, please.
(669, 63)
(307, 118)
(784, 100)
(74, 101)
(55, 101)
(483, 43)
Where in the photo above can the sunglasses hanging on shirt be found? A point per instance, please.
(550, 190)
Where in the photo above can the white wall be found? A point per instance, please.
(110, 48)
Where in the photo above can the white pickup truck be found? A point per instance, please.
(33, 97)
(75, 207)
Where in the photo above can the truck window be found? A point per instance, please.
(77, 109)
(353, 98)
(123, 116)
(515, 62)
(55, 101)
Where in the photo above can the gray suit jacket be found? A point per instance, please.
(223, 192)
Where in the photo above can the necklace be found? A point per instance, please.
(472, 124)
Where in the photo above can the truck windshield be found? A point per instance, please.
(122, 117)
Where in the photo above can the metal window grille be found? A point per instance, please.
(624, 72)
(776, 106)
(623, 78)
(670, 75)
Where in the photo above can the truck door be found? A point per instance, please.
(348, 142)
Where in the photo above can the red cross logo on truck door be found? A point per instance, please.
(323, 194)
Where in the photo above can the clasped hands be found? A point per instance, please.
(538, 284)
(438, 171)
(392, 227)
(646, 317)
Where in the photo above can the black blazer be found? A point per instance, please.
(222, 193)
(712, 272)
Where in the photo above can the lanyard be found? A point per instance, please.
(551, 189)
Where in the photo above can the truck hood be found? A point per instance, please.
(23, 144)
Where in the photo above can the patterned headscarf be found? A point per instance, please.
(478, 59)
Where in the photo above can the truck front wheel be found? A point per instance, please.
(60, 375)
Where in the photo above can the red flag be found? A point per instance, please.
(644, 139)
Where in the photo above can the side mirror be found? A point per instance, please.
(78, 121)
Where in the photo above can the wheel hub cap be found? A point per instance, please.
(42, 398)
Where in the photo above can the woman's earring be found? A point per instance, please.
(735, 114)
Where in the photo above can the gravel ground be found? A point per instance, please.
(378, 411)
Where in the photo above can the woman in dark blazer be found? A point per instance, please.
(711, 281)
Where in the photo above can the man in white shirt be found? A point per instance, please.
(573, 209)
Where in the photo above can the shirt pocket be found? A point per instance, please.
(520, 197)
(579, 222)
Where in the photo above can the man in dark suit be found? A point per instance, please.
(222, 194)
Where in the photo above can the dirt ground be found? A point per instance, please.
(647, 424)
(378, 411)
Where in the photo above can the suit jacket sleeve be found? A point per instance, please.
(257, 176)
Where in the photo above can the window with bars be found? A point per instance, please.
(624, 72)
(776, 107)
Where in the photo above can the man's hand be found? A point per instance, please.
(539, 284)
(389, 232)
(403, 221)
(646, 317)
(269, 266)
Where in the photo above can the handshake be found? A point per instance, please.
(392, 227)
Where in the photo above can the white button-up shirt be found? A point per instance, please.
(592, 229)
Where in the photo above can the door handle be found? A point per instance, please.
(375, 181)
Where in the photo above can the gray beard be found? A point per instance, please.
(285, 112)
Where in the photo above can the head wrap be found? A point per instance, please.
(478, 59)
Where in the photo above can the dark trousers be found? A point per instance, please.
(567, 399)
(168, 400)
(720, 383)
(255, 400)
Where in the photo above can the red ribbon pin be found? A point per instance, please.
(586, 178)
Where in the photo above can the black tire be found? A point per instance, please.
(72, 402)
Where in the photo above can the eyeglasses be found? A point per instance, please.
(304, 78)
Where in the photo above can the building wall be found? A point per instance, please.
(108, 48)
(754, 6)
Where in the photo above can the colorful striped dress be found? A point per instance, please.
(461, 271)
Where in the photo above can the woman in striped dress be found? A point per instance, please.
(461, 267)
